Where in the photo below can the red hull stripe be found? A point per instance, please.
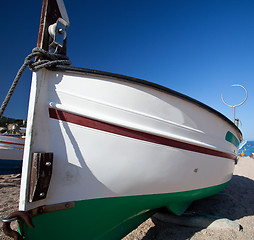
(106, 127)
(22, 144)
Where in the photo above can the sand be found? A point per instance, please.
(9, 197)
(236, 204)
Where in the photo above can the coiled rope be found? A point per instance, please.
(46, 60)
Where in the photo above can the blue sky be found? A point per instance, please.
(199, 48)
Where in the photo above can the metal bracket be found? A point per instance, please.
(58, 31)
(41, 171)
(51, 208)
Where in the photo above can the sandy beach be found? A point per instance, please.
(236, 203)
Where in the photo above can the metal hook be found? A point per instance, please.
(13, 217)
(234, 106)
(236, 85)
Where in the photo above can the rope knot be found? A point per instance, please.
(46, 59)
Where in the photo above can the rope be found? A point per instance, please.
(47, 60)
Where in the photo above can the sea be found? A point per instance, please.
(248, 148)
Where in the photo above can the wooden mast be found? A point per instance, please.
(52, 10)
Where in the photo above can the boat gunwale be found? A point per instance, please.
(146, 83)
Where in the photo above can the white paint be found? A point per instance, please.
(92, 164)
(11, 148)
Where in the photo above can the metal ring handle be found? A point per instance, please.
(8, 220)
(22, 215)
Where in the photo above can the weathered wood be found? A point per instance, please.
(49, 15)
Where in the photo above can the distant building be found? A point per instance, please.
(12, 126)
(3, 129)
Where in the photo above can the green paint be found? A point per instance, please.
(109, 218)
(230, 137)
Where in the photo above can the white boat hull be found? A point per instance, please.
(117, 137)
(11, 154)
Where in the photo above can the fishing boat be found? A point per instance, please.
(113, 150)
(11, 153)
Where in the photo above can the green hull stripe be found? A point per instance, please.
(109, 218)
(230, 137)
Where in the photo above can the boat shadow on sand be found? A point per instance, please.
(235, 202)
